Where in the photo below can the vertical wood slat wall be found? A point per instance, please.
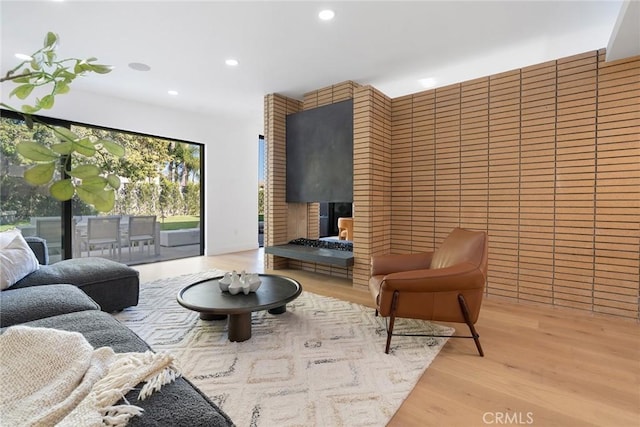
(372, 203)
(547, 160)
(276, 108)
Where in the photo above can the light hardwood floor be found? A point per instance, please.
(543, 366)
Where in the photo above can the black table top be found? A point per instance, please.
(206, 297)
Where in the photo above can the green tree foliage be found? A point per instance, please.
(261, 200)
(192, 199)
(145, 159)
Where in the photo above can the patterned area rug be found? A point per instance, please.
(321, 363)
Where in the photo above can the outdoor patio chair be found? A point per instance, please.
(141, 231)
(103, 233)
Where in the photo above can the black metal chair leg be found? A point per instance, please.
(392, 319)
(467, 319)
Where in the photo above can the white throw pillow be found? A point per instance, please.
(16, 258)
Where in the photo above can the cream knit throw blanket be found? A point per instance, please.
(52, 377)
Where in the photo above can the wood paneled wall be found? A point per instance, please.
(546, 159)
(372, 205)
(276, 230)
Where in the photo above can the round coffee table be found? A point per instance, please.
(206, 297)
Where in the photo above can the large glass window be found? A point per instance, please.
(28, 208)
(158, 210)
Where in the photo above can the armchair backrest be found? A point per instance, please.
(462, 246)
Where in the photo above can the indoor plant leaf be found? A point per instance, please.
(113, 181)
(28, 109)
(22, 91)
(50, 40)
(61, 88)
(65, 134)
(40, 174)
(86, 195)
(112, 147)
(105, 200)
(84, 171)
(46, 102)
(62, 190)
(94, 183)
(99, 68)
(63, 147)
(85, 147)
(102, 200)
(34, 151)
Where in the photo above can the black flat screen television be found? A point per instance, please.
(320, 154)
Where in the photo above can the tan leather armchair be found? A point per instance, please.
(445, 285)
(345, 228)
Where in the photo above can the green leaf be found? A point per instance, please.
(28, 120)
(85, 195)
(37, 152)
(61, 88)
(22, 91)
(24, 79)
(29, 109)
(67, 75)
(35, 64)
(102, 200)
(85, 147)
(94, 183)
(81, 67)
(99, 68)
(85, 171)
(113, 181)
(65, 134)
(46, 102)
(63, 147)
(105, 200)
(51, 56)
(113, 148)
(62, 190)
(50, 40)
(40, 174)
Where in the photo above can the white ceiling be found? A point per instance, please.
(284, 48)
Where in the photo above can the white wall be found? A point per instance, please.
(231, 153)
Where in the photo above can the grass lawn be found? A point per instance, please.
(179, 222)
(5, 227)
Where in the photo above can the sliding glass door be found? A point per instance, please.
(22, 206)
(158, 211)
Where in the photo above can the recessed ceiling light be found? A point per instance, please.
(23, 57)
(139, 66)
(172, 92)
(231, 62)
(326, 15)
(428, 82)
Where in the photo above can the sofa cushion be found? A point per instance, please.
(16, 258)
(175, 404)
(23, 305)
(112, 285)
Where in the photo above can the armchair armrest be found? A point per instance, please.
(386, 264)
(464, 276)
